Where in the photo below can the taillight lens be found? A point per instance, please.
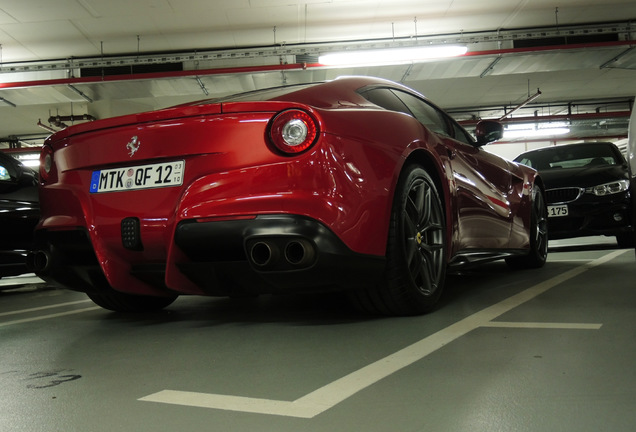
(293, 131)
(46, 163)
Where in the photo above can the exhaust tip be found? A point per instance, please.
(263, 254)
(38, 261)
(299, 253)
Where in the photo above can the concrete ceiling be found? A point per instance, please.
(65, 57)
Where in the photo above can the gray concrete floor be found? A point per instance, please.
(545, 350)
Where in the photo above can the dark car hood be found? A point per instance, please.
(583, 177)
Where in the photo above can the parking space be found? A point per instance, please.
(547, 349)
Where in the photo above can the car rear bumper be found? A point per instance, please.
(261, 254)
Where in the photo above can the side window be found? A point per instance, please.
(428, 115)
(526, 161)
(386, 99)
(461, 134)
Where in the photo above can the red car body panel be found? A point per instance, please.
(345, 182)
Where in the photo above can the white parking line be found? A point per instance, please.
(35, 309)
(571, 326)
(332, 394)
(43, 317)
(22, 280)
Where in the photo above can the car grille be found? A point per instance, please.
(563, 195)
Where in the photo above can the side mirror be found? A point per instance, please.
(488, 131)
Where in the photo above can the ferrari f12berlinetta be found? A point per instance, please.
(357, 184)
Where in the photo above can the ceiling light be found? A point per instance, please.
(391, 56)
(31, 162)
(514, 133)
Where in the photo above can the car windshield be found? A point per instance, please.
(570, 157)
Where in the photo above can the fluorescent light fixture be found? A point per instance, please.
(31, 162)
(30, 159)
(391, 56)
(531, 131)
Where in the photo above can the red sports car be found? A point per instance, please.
(356, 184)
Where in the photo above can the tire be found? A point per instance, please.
(130, 303)
(416, 250)
(625, 240)
(538, 252)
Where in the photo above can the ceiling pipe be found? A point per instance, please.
(58, 121)
(284, 67)
(45, 127)
(157, 75)
(203, 89)
(315, 49)
(8, 102)
(521, 105)
(490, 67)
(617, 58)
(79, 92)
(573, 137)
(556, 118)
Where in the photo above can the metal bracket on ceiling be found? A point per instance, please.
(616, 58)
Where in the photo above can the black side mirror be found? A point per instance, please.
(488, 131)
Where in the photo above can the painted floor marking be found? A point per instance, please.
(22, 280)
(332, 394)
(35, 309)
(567, 326)
(43, 317)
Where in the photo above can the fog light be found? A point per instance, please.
(131, 234)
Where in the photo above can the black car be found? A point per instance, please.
(587, 190)
(19, 213)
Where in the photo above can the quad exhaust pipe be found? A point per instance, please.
(281, 254)
(299, 253)
(263, 253)
(39, 261)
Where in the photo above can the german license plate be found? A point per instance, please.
(558, 210)
(138, 177)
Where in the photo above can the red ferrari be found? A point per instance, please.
(356, 184)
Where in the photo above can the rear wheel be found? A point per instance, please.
(625, 240)
(416, 250)
(122, 302)
(538, 253)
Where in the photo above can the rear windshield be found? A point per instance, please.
(571, 157)
(258, 95)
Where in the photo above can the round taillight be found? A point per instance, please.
(46, 163)
(293, 131)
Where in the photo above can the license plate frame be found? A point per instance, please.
(560, 210)
(138, 177)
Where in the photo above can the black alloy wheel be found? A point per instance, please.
(416, 250)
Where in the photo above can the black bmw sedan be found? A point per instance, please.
(19, 213)
(587, 190)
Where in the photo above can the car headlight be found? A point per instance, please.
(609, 188)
